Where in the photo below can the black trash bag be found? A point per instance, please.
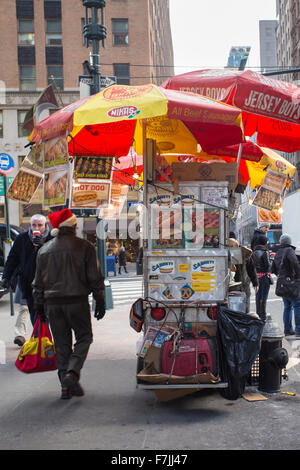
(239, 338)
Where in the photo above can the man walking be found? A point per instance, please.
(22, 258)
(67, 271)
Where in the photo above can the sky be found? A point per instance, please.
(203, 31)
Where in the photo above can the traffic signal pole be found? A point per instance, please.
(94, 33)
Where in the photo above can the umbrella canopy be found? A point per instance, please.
(270, 107)
(249, 170)
(107, 123)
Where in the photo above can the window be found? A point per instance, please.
(27, 78)
(120, 32)
(53, 33)
(22, 132)
(122, 72)
(1, 124)
(26, 32)
(55, 73)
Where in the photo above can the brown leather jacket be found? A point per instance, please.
(67, 270)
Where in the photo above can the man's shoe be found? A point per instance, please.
(71, 381)
(19, 340)
(77, 390)
(289, 333)
(65, 393)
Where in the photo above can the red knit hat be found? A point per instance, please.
(64, 218)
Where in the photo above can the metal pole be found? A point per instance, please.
(11, 299)
(95, 33)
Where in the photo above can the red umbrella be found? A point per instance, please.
(270, 107)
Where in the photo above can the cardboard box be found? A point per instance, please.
(206, 172)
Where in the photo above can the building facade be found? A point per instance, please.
(267, 43)
(42, 42)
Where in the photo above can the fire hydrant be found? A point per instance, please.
(272, 357)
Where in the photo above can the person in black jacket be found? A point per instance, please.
(263, 269)
(261, 230)
(22, 257)
(286, 263)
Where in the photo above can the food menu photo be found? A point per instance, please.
(90, 194)
(55, 152)
(24, 186)
(93, 167)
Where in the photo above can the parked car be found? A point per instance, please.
(14, 232)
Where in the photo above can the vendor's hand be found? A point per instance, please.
(99, 309)
(256, 289)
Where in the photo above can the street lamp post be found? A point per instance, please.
(94, 33)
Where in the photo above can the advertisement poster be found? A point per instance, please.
(35, 159)
(204, 275)
(93, 167)
(117, 200)
(270, 191)
(55, 152)
(24, 186)
(55, 187)
(272, 217)
(90, 195)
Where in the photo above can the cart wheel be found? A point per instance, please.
(235, 389)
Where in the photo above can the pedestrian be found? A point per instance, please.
(262, 229)
(122, 258)
(22, 257)
(22, 320)
(263, 269)
(245, 273)
(67, 272)
(286, 264)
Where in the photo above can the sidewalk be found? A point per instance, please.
(131, 268)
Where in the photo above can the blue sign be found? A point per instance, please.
(6, 163)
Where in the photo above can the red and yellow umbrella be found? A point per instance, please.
(109, 122)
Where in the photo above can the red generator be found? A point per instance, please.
(193, 355)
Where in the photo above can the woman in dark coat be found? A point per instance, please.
(122, 259)
(263, 269)
(286, 263)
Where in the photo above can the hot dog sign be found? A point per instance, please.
(90, 195)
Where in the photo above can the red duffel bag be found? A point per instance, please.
(38, 353)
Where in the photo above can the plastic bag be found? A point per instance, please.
(239, 337)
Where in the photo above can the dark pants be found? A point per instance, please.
(32, 312)
(63, 320)
(262, 297)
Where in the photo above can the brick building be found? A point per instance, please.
(42, 40)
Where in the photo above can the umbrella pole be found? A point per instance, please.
(238, 160)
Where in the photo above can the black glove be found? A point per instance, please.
(39, 308)
(99, 309)
(37, 241)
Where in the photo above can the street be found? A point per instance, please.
(114, 415)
